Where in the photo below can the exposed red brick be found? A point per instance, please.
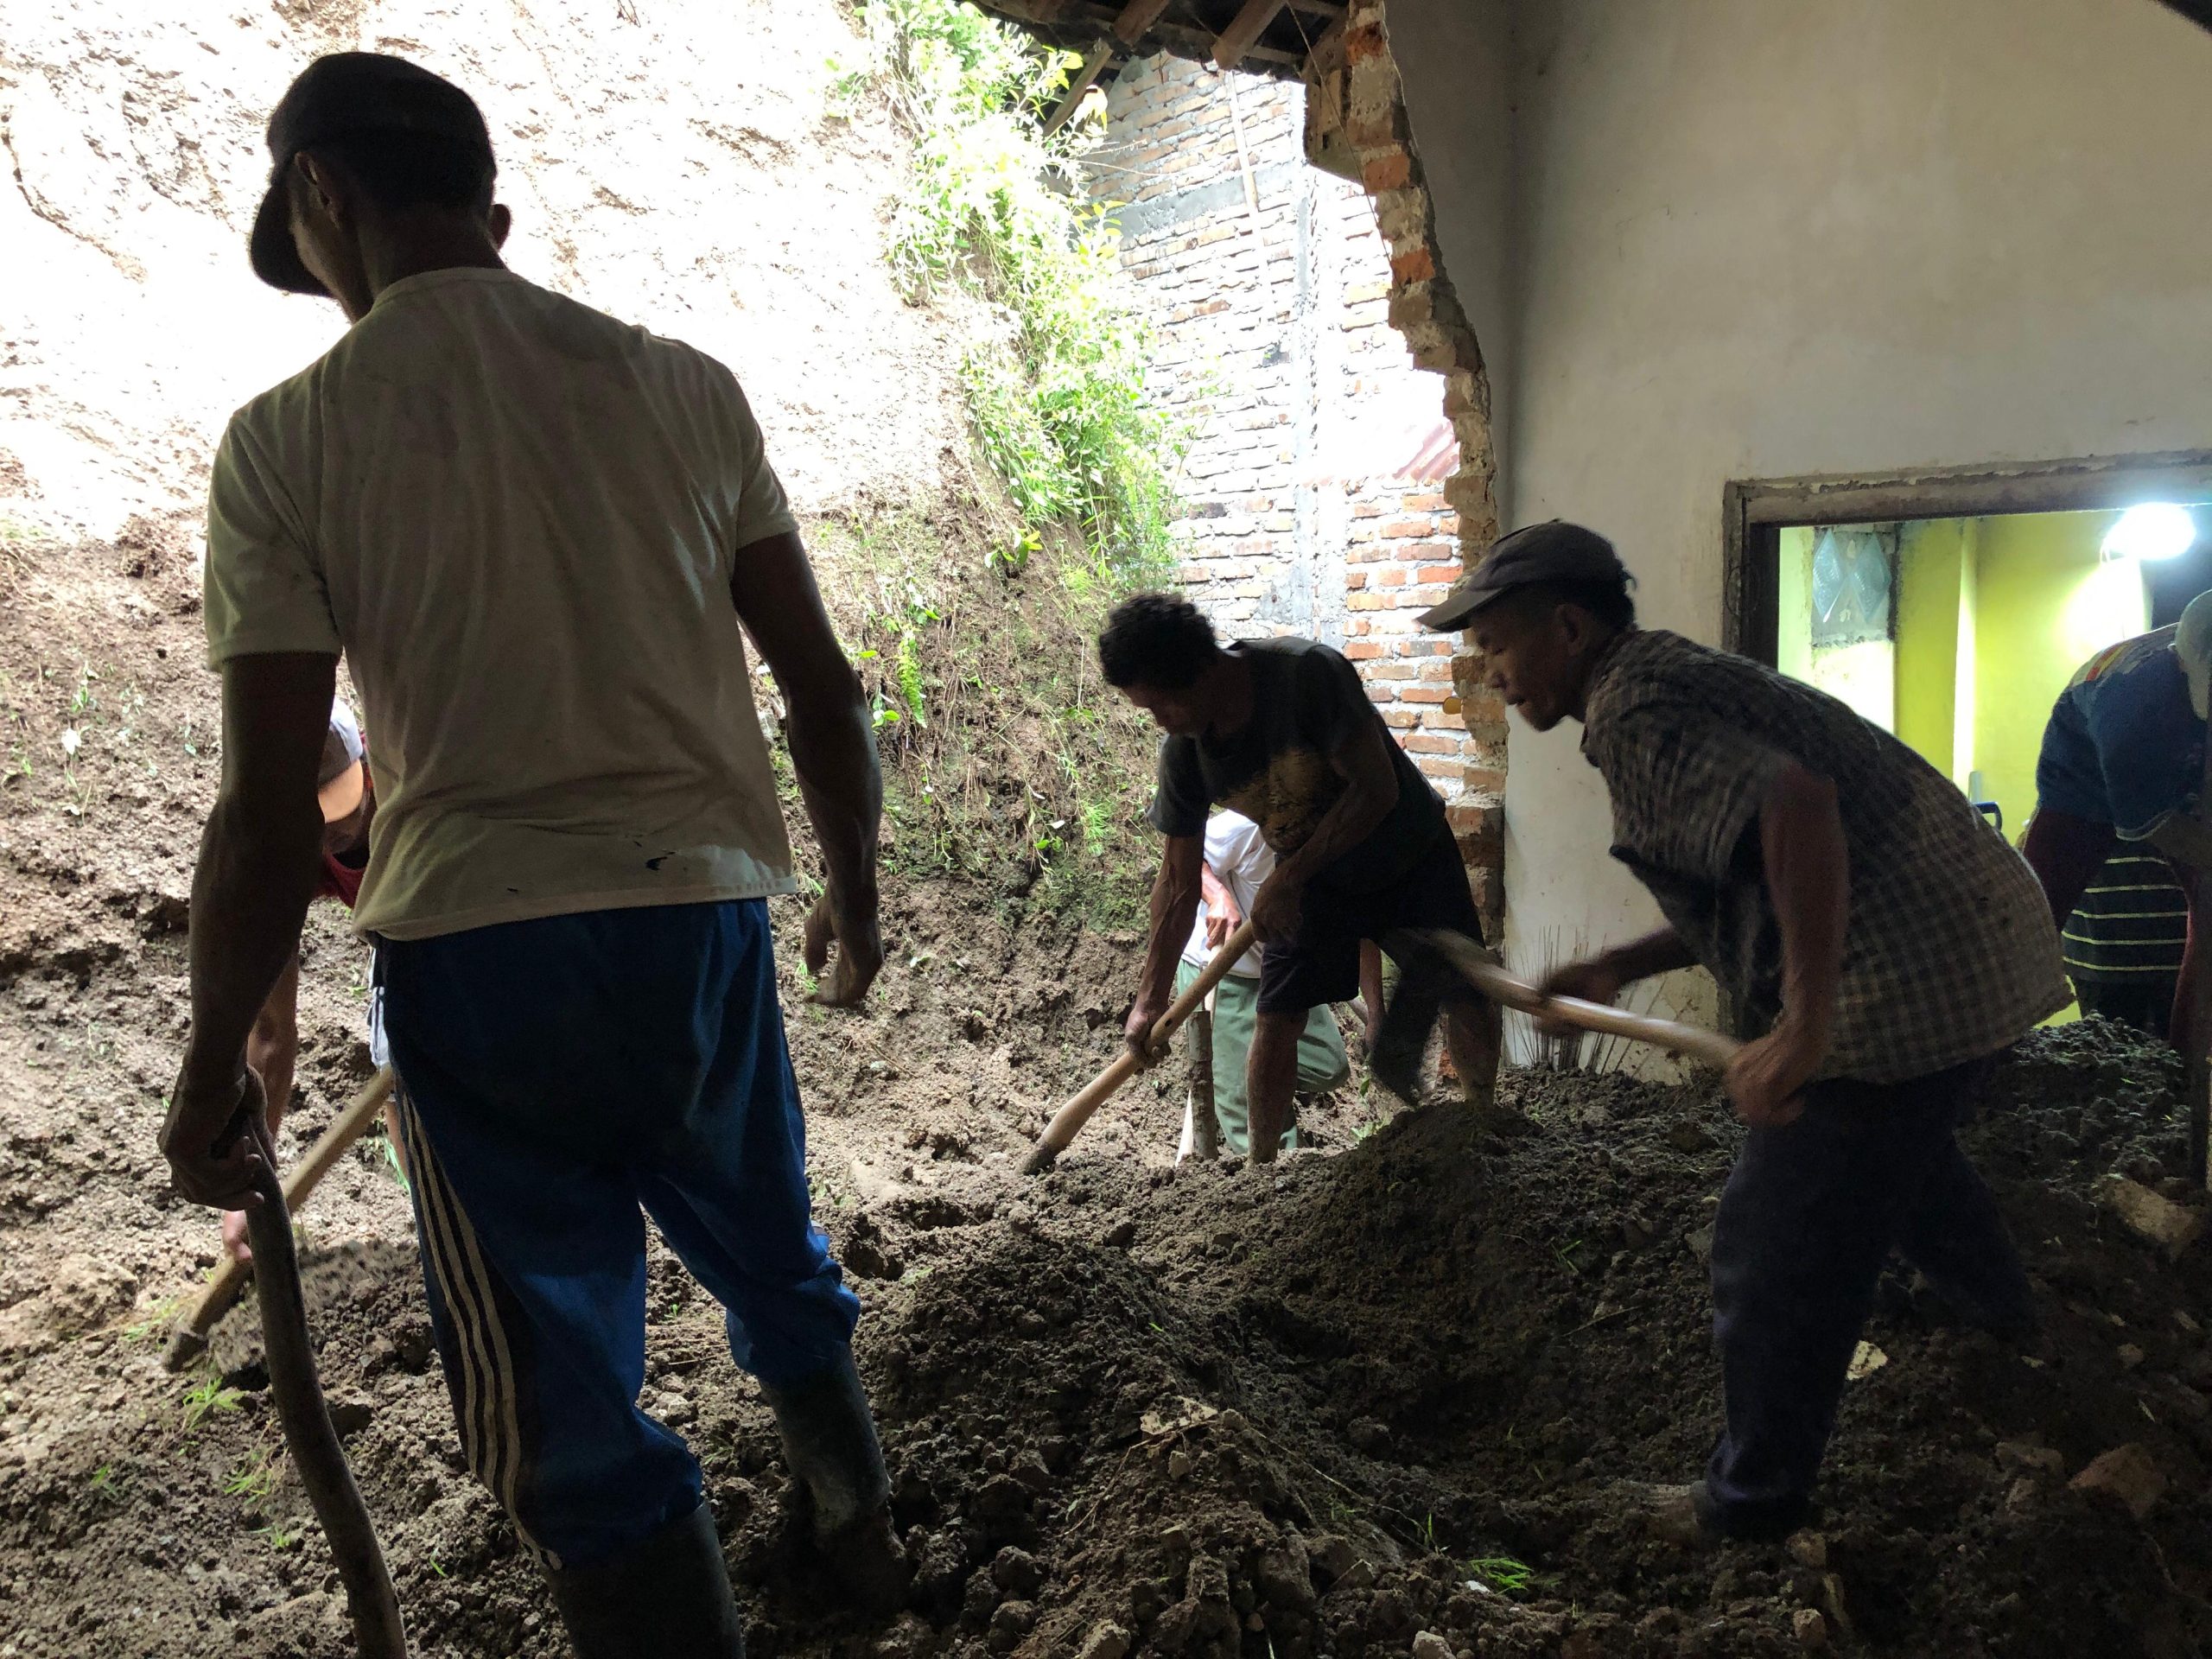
(1417, 266)
(1388, 172)
(1362, 650)
(1428, 743)
(1447, 574)
(1423, 693)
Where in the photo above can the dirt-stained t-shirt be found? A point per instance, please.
(1306, 703)
(1949, 952)
(517, 519)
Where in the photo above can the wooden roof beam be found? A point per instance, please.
(1136, 17)
(1093, 67)
(1243, 33)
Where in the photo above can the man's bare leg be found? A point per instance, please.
(1270, 1075)
(1473, 1035)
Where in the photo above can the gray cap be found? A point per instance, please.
(1551, 551)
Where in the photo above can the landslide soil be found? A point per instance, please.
(1399, 1394)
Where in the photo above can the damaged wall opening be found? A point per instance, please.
(1327, 475)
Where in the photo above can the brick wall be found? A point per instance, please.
(1282, 312)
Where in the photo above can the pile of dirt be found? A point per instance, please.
(1405, 1399)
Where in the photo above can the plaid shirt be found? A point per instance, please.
(1950, 953)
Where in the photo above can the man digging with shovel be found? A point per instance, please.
(534, 532)
(1283, 731)
(1852, 904)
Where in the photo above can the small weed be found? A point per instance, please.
(1503, 1574)
(277, 1539)
(398, 1169)
(252, 1479)
(208, 1398)
(106, 1483)
(155, 1321)
(436, 1564)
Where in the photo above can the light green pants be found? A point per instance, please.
(1321, 1062)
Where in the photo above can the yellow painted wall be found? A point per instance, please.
(1794, 606)
(1966, 704)
(1930, 576)
(2045, 602)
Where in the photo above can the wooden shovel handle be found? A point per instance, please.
(1473, 965)
(1071, 1117)
(189, 1340)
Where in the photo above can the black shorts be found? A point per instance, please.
(1321, 964)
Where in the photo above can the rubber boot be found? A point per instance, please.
(830, 1441)
(668, 1598)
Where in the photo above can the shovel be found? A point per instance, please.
(1429, 956)
(1069, 1118)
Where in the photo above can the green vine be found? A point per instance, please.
(999, 210)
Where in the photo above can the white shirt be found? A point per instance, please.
(1241, 861)
(516, 518)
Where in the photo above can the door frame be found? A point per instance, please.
(1754, 513)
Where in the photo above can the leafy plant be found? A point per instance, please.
(208, 1398)
(1002, 211)
(1503, 1573)
(252, 1479)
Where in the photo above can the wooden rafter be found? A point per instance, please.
(1235, 42)
(1093, 67)
(1136, 17)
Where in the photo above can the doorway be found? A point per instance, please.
(1953, 610)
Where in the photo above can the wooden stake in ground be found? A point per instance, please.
(189, 1340)
(308, 1434)
(1205, 1129)
(1070, 1118)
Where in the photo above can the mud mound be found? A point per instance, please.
(1330, 1408)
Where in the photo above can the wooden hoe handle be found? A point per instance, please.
(189, 1340)
(1071, 1117)
(1473, 965)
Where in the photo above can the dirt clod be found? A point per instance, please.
(2127, 1475)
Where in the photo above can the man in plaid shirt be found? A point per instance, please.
(1859, 911)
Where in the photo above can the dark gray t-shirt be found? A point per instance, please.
(1306, 702)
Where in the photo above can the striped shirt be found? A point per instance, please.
(2131, 924)
(1948, 950)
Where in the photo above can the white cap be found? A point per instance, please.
(2193, 644)
(338, 784)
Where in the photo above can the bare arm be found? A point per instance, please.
(273, 1047)
(833, 751)
(1809, 882)
(1369, 793)
(1607, 974)
(1175, 893)
(1222, 911)
(256, 871)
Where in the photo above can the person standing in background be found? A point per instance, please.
(1238, 862)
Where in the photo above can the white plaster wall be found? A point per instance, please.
(1752, 239)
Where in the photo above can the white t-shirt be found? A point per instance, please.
(516, 518)
(1241, 861)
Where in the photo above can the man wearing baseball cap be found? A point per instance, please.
(2122, 768)
(1858, 910)
(534, 533)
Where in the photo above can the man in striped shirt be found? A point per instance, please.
(2121, 771)
(2123, 943)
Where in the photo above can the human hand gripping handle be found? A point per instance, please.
(213, 1158)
